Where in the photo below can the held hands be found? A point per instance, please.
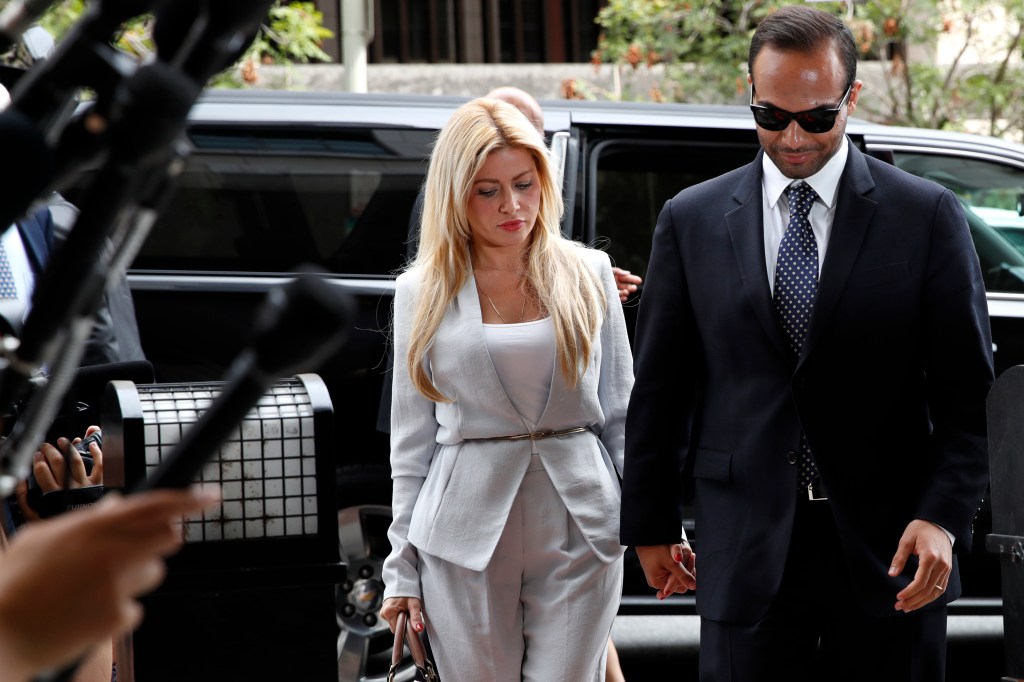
(935, 561)
(626, 282)
(395, 605)
(670, 569)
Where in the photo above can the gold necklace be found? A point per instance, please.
(522, 313)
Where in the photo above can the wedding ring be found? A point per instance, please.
(940, 588)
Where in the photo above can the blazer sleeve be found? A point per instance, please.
(959, 371)
(616, 379)
(413, 442)
(663, 401)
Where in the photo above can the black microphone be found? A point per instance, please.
(156, 102)
(140, 118)
(299, 326)
(84, 58)
(27, 168)
(91, 380)
(205, 37)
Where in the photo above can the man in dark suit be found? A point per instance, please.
(816, 358)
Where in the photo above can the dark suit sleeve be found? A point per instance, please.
(115, 334)
(667, 361)
(958, 352)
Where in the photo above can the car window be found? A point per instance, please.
(635, 178)
(267, 201)
(990, 193)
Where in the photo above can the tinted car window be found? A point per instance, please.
(635, 178)
(989, 193)
(338, 200)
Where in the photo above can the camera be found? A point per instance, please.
(55, 502)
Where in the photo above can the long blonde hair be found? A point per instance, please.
(554, 266)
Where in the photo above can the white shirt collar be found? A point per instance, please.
(825, 182)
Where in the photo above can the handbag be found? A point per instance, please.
(425, 666)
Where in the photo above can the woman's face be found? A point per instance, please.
(503, 200)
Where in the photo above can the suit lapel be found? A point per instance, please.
(37, 236)
(746, 231)
(853, 214)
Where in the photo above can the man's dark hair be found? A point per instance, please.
(799, 28)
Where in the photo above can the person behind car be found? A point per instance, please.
(509, 394)
(27, 249)
(814, 339)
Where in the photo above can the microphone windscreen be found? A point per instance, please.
(26, 169)
(83, 402)
(151, 110)
(300, 325)
(224, 33)
(173, 23)
(92, 380)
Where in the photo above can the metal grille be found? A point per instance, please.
(266, 469)
(275, 469)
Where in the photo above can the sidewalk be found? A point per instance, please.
(650, 645)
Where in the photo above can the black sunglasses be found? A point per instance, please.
(812, 120)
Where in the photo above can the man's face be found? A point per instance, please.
(796, 81)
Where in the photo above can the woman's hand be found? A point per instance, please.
(395, 605)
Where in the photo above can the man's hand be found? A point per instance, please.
(934, 551)
(670, 569)
(626, 282)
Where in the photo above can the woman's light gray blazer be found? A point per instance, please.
(452, 494)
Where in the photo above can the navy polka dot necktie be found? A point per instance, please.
(796, 287)
(796, 272)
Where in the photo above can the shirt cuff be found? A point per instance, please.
(952, 538)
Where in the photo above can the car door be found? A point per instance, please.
(989, 181)
(989, 186)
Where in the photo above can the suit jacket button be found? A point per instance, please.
(791, 457)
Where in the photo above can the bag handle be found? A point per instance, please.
(403, 631)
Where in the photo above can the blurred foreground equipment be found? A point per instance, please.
(251, 595)
(1006, 462)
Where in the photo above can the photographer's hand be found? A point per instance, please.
(70, 582)
(53, 470)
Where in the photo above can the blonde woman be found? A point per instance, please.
(511, 378)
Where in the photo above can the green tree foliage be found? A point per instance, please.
(696, 52)
(293, 32)
(699, 47)
(981, 87)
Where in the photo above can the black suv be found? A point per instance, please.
(278, 179)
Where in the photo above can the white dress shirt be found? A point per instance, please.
(24, 278)
(776, 207)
